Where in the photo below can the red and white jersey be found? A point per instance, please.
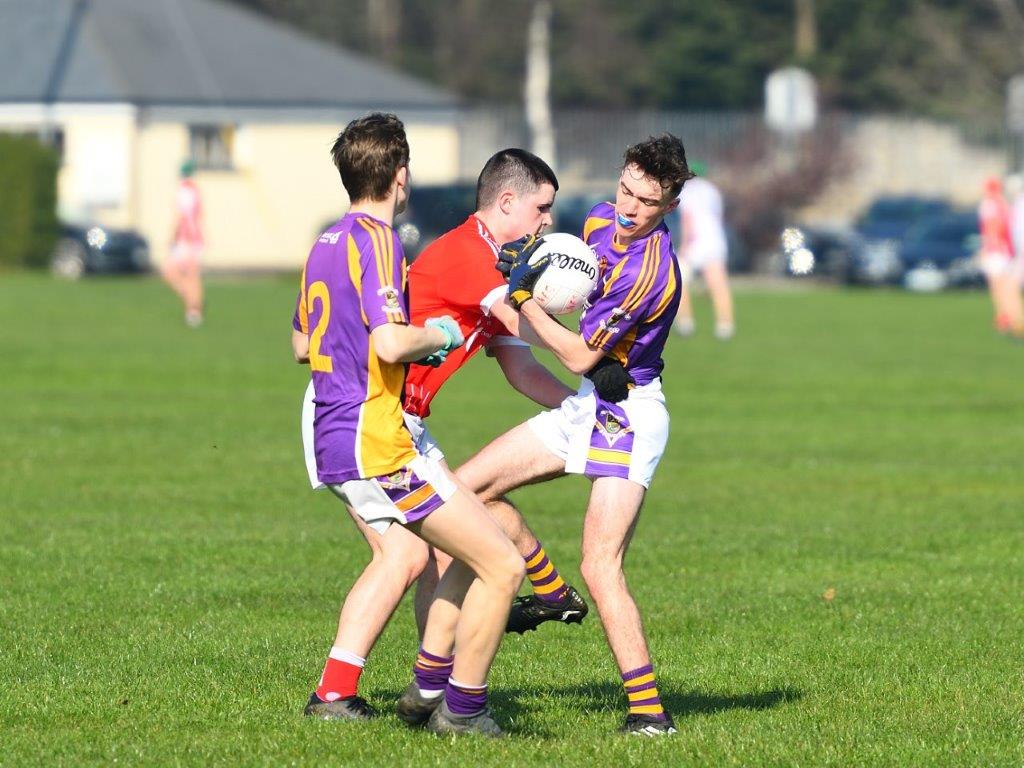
(455, 275)
(995, 226)
(189, 206)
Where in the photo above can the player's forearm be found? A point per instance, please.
(541, 385)
(396, 343)
(569, 347)
(300, 346)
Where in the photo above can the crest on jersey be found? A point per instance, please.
(390, 295)
(610, 324)
(400, 480)
(611, 426)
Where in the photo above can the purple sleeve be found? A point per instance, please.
(382, 282)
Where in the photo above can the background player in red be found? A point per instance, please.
(181, 270)
(997, 254)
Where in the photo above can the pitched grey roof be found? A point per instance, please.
(185, 52)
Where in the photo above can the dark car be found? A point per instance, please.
(432, 211)
(92, 249)
(940, 251)
(881, 229)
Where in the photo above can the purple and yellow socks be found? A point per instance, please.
(642, 692)
(543, 576)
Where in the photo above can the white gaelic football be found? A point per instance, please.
(570, 277)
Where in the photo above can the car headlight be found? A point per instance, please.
(801, 261)
(96, 237)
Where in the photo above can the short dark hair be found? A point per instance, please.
(368, 154)
(516, 169)
(663, 159)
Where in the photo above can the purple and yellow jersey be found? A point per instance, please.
(354, 280)
(629, 314)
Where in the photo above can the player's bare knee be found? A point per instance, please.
(599, 572)
(512, 569)
(408, 558)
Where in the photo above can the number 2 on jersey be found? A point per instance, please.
(318, 362)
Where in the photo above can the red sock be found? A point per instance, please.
(341, 675)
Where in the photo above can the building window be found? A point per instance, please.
(210, 146)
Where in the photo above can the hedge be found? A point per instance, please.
(28, 201)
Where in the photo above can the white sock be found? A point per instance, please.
(340, 654)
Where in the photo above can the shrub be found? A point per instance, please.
(28, 201)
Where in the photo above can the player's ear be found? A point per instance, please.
(402, 176)
(672, 206)
(505, 201)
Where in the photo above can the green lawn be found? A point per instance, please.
(169, 584)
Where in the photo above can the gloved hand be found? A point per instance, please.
(512, 252)
(453, 338)
(451, 330)
(611, 380)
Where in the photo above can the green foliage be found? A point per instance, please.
(28, 201)
(829, 559)
(945, 58)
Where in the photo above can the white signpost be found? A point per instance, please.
(790, 100)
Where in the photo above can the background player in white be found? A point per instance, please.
(704, 249)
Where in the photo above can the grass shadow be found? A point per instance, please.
(607, 695)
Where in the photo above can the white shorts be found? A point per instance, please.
(404, 496)
(186, 253)
(996, 264)
(623, 439)
(698, 258)
(422, 439)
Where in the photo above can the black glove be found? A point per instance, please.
(611, 381)
(521, 273)
(512, 252)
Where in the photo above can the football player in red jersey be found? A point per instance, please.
(455, 276)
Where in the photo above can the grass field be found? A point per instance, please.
(169, 584)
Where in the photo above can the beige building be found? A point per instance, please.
(128, 90)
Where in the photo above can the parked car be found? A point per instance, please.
(881, 229)
(432, 211)
(941, 251)
(92, 249)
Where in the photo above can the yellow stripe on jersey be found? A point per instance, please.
(649, 271)
(622, 349)
(355, 273)
(608, 456)
(641, 278)
(592, 224)
(601, 335)
(383, 248)
(384, 444)
(666, 297)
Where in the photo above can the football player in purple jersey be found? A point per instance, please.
(352, 327)
(614, 429)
